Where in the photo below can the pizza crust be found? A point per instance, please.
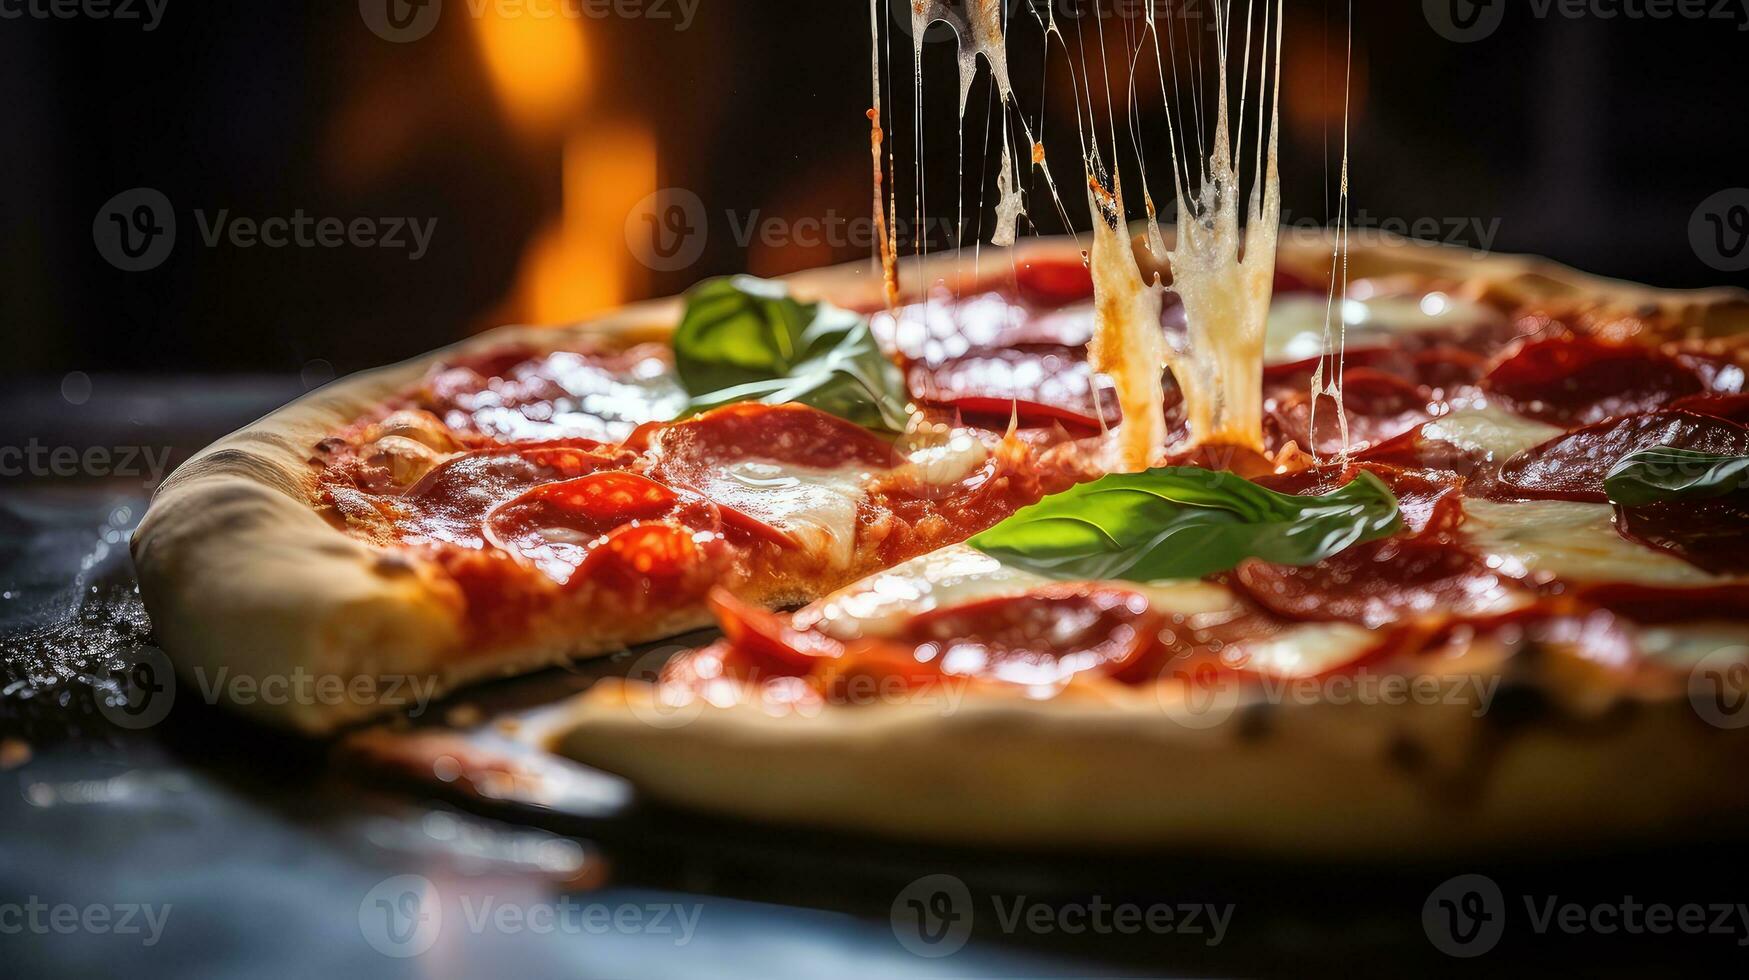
(241, 575)
(1295, 780)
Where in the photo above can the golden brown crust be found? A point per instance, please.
(1292, 780)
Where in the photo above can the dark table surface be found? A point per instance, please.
(201, 846)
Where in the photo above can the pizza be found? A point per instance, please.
(534, 496)
(1288, 545)
(1504, 654)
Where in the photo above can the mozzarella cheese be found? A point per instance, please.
(1492, 433)
(1296, 323)
(956, 455)
(1128, 344)
(1308, 650)
(817, 507)
(1570, 541)
(1685, 646)
(881, 604)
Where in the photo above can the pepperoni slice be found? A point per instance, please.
(1573, 466)
(1038, 384)
(797, 434)
(559, 525)
(662, 564)
(1444, 368)
(736, 456)
(1734, 408)
(1428, 503)
(766, 642)
(1712, 535)
(1576, 380)
(519, 394)
(1051, 284)
(1041, 638)
(449, 503)
(1650, 604)
(1592, 634)
(1379, 406)
(1379, 583)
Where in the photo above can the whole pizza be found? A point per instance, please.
(1192, 540)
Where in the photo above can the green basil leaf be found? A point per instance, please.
(1179, 522)
(1653, 476)
(746, 339)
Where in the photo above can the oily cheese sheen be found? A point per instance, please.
(1571, 541)
(1493, 434)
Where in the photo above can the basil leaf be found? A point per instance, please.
(1179, 522)
(1653, 476)
(746, 339)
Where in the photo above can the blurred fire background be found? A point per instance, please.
(531, 141)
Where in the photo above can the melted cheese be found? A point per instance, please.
(1309, 649)
(1128, 344)
(945, 459)
(816, 507)
(1685, 645)
(1570, 541)
(1226, 296)
(1296, 330)
(1492, 433)
(881, 604)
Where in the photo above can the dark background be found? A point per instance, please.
(1592, 140)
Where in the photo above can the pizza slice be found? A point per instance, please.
(534, 495)
(1489, 623)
